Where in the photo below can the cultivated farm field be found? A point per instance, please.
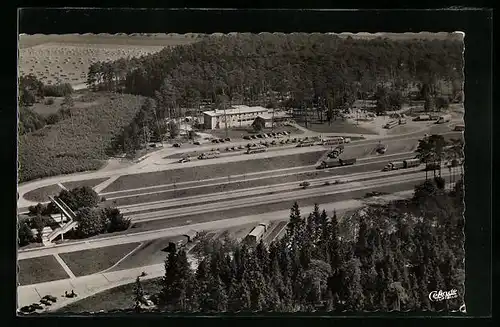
(78, 143)
(57, 59)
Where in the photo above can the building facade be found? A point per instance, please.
(237, 116)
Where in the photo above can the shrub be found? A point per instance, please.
(24, 234)
(49, 101)
(58, 90)
(114, 220)
(79, 197)
(90, 222)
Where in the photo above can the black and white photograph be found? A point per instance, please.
(241, 172)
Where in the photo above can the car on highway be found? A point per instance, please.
(247, 137)
(176, 145)
(185, 159)
(215, 141)
(374, 193)
(304, 185)
(197, 143)
(294, 140)
(221, 140)
(265, 135)
(254, 137)
(227, 139)
(381, 149)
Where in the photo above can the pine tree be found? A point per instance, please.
(239, 296)
(295, 225)
(334, 243)
(138, 295)
(178, 277)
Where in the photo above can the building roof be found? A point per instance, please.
(236, 109)
(264, 116)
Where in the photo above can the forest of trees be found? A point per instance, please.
(383, 257)
(307, 72)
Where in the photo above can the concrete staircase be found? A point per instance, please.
(70, 224)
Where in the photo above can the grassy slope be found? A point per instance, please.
(42, 194)
(77, 144)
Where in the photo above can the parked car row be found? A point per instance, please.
(266, 135)
(227, 139)
(47, 300)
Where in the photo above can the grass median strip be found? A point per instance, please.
(92, 261)
(213, 170)
(39, 270)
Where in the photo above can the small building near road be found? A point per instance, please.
(265, 120)
(237, 116)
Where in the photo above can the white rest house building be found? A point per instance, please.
(236, 116)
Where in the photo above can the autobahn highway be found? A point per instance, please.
(163, 165)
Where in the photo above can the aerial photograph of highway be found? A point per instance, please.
(240, 172)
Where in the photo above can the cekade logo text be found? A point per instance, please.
(440, 295)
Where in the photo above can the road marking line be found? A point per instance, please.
(125, 257)
(64, 265)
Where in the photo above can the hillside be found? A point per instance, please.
(77, 143)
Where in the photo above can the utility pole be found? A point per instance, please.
(224, 108)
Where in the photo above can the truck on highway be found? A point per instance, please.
(444, 119)
(256, 234)
(459, 128)
(257, 149)
(423, 118)
(402, 121)
(395, 165)
(391, 124)
(336, 152)
(334, 141)
(329, 163)
(209, 155)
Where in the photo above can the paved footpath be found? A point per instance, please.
(83, 286)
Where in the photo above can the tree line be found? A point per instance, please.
(31, 91)
(312, 69)
(382, 257)
(84, 201)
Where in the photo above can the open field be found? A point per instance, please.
(337, 126)
(92, 261)
(42, 194)
(117, 298)
(66, 58)
(87, 182)
(78, 143)
(39, 270)
(214, 170)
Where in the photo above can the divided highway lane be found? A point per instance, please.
(254, 209)
(267, 190)
(256, 179)
(287, 197)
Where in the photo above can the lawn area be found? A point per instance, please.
(45, 109)
(42, 194)
(118, 298)
(92, 261)
(214, 170)
(149, 253)
(337, 126)
(87, 182)
(39, 270)
(79, 143)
